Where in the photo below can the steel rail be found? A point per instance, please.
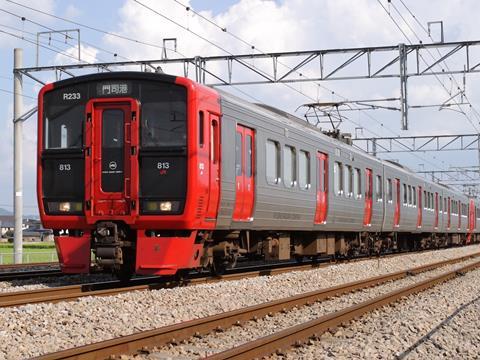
(109, 288)
(283, 340)
(28, 265)
(177, 332)
(29, 274)
(114, 287)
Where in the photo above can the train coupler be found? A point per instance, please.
(109, 245)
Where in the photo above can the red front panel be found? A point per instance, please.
(244, 174)
(321, 210)
(396, 217)
(367, 216)
(203, 176)
(420, 208)
(436, 211)
(166, 255)
(73, 253)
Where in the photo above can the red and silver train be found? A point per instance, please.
(154, 174)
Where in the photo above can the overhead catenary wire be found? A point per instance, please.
(13, 93)
(225, 30)
(161, 47)
(421, 56)
(93, 28)
(111, 34)
(42, 45)
(452, 78)
(53, 40)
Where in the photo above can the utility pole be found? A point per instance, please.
(17, 155)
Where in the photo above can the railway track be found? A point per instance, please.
(29, 274)
(114, 287)
(279, 341)
(27, 266)
(108, 288)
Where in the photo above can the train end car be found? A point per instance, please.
(128, 170)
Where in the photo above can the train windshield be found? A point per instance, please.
(163, 116)
(64, 126)
(163, 112)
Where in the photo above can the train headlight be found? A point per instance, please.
(160, 207)
(166, 206)
(64, 206)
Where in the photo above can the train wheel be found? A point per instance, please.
(126, 270)
(124, 273)
(219, 267)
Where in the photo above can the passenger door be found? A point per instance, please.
(244, 174)
(367, 216)
(321, 210)
(420, 208)
(111, 161)
(396, 217)
(213, 136)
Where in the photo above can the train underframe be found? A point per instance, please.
(115, 247)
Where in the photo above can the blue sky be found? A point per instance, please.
(271, 26)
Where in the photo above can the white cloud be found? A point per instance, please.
(70, 55)
(72, 12)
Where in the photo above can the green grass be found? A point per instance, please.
(32, 252)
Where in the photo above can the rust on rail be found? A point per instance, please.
(177, 332)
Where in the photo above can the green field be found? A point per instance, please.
(32, 252)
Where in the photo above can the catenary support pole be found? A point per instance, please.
(17, 156)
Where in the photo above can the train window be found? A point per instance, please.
(405, 199)
(273, 162)
(163, 116)
(425, 205)
(248, 156)
(440, 204)
(337, 175)
(304, 170)
(289, 166)
(389, 191)
(64, 127)
(410, 198)
(348, 178)
(201, 119)
(357, 181)
(414, 196)
(378, 188)
(238, 154)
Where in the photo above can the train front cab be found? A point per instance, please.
(128, 166)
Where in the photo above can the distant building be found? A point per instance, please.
(32, 229)
(7, 223)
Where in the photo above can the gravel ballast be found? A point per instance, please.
(48, 282)
(235, 336)
(442, 322)
(41, 328)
